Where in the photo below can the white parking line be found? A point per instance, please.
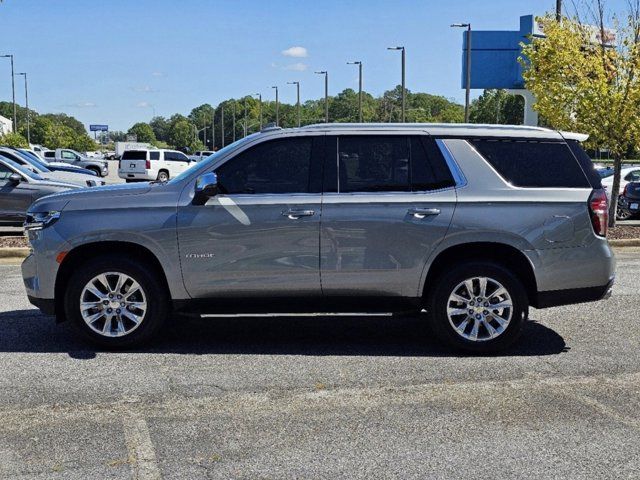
(142, 454)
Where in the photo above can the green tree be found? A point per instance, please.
(181, 136)
(497, 106)
(143, 132)
(160, 127)
(68, 121)
(14, 140)
(583, 86)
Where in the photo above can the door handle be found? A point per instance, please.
(424, 212)
(295, 214)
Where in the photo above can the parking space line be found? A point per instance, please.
(142, 454)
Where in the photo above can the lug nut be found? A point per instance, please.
(105, 302)
(122, 304)
(109, 310)
(486, 312)
(478, 317)
(118, 311)
(119, 297)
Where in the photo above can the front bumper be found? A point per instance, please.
(46, 305)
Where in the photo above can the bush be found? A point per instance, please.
(14, 140)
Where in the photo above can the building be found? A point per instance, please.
(6, 126)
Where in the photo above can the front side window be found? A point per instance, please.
(5, 172)
(68, 155)
(276, 166)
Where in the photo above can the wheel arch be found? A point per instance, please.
(501, 253)
(87, 251)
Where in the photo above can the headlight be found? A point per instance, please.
(40, 220)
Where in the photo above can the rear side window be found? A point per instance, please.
(532, 163)
(586, 163)
(134, 155)
(378, 163)
(154, 155)
(49, 154)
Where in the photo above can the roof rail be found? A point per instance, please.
(270, 127)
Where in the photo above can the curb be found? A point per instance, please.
(14, 252)
(625, 242)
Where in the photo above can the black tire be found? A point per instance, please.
(95, 170)
(163, 176)
(156, 296)
(438, 301)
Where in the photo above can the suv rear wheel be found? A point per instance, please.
(115, 302)
(163, 176)
(478, 307)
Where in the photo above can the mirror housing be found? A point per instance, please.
(15, 178)
(206, 186)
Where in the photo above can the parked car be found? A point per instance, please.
(38, 149)
(627, 174)
(41, 169)
(629, 201)
(474, 224)
(145, 165)
(100, 167)
(19, 187)
(201, 155)
(57, 166)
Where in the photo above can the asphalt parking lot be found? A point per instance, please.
(324, 397)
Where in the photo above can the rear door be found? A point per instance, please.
(388, 202)
(134, 161)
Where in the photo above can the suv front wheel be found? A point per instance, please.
(478, 307)
(115, 302)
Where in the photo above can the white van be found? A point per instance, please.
(147, 165)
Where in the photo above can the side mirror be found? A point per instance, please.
(206, 186)
(15, 178)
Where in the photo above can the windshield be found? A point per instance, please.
(19, 168)
(212, 158)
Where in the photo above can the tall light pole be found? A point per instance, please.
(213, 130)
(233, 123)
(277, 107)
(403, 50)
(26, 102)
(326, 94)
(297, 84)
(13, 90)
(222, 123)
(245, 116)
(467, 67)
(259, 95)
(359, 63)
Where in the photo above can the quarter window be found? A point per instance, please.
(533, 163)
(277, 166)
(154, 155)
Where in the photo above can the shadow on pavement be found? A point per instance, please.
(31, 331)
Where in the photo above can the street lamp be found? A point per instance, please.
(359, 63)
(222, 123)
(277, 107)
(26, 101)
(245, 116)
(326, 94)
(233, 123)
(13, 90)
(402, 49)
(259, 95)
(297, 84)
(467, 66)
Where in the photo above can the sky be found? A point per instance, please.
(122, 61)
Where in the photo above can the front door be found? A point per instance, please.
(389, 200)
(260, 236)
(15, 198)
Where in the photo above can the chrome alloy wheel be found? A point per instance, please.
(113, 304)
(479, 309)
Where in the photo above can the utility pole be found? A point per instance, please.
(326, 94)
(213, 130)
(245, 116)
(234, 120)
(403, 50)
(558, 10)
(26, 101)
(297, 84)
(359, 63)
(13, 92)
(277, 107)
(222, 123)
(260, 105)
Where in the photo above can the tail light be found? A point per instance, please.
(626, 189)
(599, 211)
(147, 164)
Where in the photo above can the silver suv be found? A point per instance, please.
(472, 224)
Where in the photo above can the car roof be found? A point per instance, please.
(445, 129)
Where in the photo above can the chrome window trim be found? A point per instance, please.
(458, 175)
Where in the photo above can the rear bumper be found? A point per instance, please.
(555, 298)
(135, 176)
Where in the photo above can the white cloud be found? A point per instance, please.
(297, 67)
(144, 89)
(84, 105)
(159, 74)
(297, 52)
(143, 104)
